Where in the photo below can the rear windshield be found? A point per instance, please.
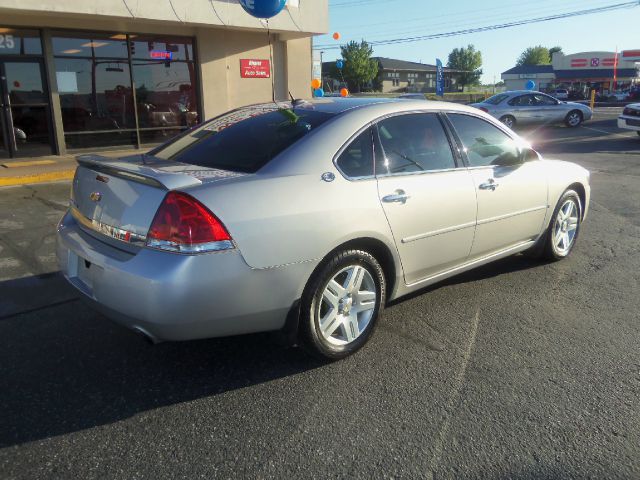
(243, 140)
(496, 99)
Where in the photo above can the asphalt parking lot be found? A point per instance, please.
(519, 369)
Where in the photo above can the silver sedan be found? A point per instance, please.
(523, 107)
(307, 217)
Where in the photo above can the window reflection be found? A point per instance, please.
(95, 96)
(96, 93)
(166, 99)
(14, 41)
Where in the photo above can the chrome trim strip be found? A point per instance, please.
(509, 215)
(110, 231)
(442, 231)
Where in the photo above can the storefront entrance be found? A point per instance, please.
(25, 117)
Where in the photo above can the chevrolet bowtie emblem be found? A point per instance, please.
(95, 196)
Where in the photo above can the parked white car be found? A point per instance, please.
(630, 118)
(561, 94)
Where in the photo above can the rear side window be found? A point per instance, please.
(484, 143)
(413, 143)
(357, 159)
(243, 140)
(496, 99)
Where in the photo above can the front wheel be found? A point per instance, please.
(341, 304)
(509, 121)
(573, 119)
(565, 224)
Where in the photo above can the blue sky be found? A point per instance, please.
(387, 19)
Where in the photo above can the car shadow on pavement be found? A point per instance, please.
(66, 368)
(507, 265)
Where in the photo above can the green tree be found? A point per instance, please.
(537, 55)
(359, 67)
(553, 50)
(469, 60)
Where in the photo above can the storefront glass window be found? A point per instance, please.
(95, 74)
(19, 42)
(111, 46)
(165, 98)
(157, 48)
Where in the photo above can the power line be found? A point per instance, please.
(474, 19)
(591, 11)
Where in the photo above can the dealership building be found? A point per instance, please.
(580, 72)
(78, 75)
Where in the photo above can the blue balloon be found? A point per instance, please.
(318, 92)
(340, 64)
(263, 8)
(531, 85)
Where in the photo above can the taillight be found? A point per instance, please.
(485, 110)
(183, 224)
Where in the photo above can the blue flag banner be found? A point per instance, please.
(439, 78)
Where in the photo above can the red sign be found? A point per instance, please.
(255, 68)
(578, 62)
(160, 54)
(631, 53)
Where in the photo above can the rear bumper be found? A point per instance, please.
(629, 123)
(178, 297)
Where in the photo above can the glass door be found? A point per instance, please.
(24, 109)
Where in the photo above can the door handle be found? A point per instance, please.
(399, 196)
(490, 184)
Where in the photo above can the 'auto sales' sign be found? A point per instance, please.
(255, 68)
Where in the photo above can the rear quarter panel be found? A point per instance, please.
(277, 221)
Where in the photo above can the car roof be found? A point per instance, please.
(339, 105)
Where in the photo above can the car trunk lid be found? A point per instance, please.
(118, 198)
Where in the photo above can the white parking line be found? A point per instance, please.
(608, 133)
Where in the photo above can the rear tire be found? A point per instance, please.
(341, 304)
(573, 119)
(509, 121)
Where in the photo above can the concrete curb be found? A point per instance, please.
(37, 178)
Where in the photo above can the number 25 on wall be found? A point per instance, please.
(7, 41)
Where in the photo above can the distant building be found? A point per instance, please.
(399, 76)
(579, 72)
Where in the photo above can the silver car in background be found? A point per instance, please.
(524, 107)
(307, 217)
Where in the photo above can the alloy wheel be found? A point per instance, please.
(574, 119)
(566, 226)
(347, 305)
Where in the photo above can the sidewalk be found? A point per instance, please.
(22, 171)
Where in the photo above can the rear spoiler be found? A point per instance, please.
(137, 172)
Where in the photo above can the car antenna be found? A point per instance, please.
(295, 101)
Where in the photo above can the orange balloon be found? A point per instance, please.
(315, 84)
(336, 36)
(344, 92)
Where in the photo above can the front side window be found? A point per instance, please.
(484, 143)
(357, 159)
(412, 143)
(523, 101)
(544, 100)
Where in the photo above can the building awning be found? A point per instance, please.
(599, 73)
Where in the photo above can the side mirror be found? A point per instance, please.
(528, 155)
